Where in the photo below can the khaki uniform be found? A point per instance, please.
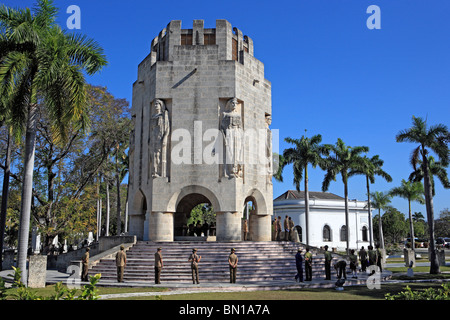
(278, 229)
(286, 229)
(121, 261)
(308, 266)
(85, 265)
(291, 229)
(232, 261)
(245, 230)
(195, 259)
(158, 267)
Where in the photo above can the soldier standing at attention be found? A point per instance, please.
(121, 262)
(353, 264)
(85, 264)
(158, 266)
(308, 265)
(286, 228)
(245, 229)
(328, 258)
(194, 259)
(299, 265)
(291, 229)
(379, 258)
(278, 228)
(363, 258)
(233, 261)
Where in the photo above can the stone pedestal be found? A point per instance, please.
(260, 227)
(410, 259)
(37, 271)
(160, 226)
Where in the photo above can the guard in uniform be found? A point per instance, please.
(379, 258)
(340, 268)
(328, 258)
(308, 265)
(194, 259)
(363, 259)
(245, 229)
(158, 266)
(353, 263)
(286, 229)
(232, 262)
(278, 228)
(85, 265)
(299, 265)
(291, 229)
(121, 262)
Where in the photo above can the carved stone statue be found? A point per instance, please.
(159, 129)
(231, 127)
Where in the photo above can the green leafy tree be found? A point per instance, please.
(434, 138)
(342, 160)
(40, 62)
(394, 225)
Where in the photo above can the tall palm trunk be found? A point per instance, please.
(369, 211)
(380, 229)
(434, 263)
(346, 216)
(411, 228)
(306, 206)
(27, 188)
(5, 192)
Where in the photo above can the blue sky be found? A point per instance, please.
(330, 74)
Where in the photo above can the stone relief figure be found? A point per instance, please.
(269, 155)
(231, 128)
(132, 146)
(160, 129)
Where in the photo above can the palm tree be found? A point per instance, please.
(436, 169)
(38, 60)
(380, 201)
(434, 138)
(412, 191)
(371, 167)
(342, 161)
(306, 151)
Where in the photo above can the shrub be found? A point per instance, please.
(442, 293)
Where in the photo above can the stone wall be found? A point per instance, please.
(62, 261)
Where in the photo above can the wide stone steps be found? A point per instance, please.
(258, 261)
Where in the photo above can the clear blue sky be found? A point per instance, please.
(330, 74)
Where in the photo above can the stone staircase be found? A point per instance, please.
(258, 261)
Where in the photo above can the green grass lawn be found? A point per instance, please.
(349, 293)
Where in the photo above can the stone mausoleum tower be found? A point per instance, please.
(201, 110)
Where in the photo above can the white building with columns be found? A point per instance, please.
(326, 219)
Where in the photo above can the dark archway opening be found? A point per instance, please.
(195, 217)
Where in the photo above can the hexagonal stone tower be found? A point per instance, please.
(201, 110)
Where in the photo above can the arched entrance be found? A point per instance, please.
(194, 217)
(138, 215)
